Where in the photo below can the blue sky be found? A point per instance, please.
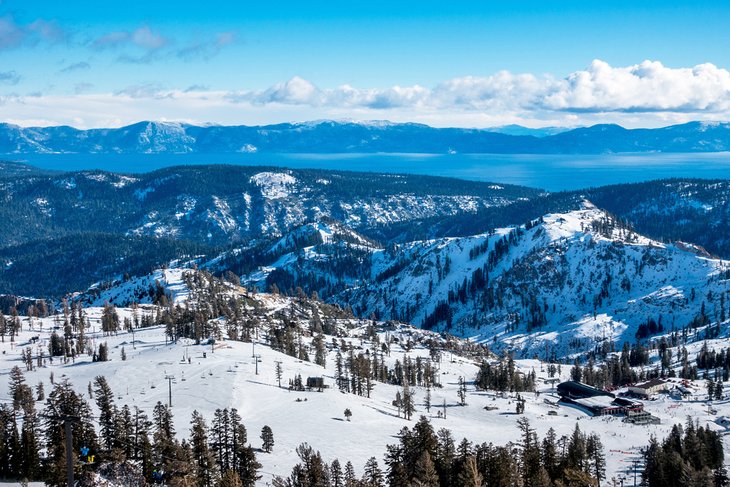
(466, 63)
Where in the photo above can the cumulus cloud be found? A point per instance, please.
(645, 94)
(296, 91)
(646, 87)
(649, 86)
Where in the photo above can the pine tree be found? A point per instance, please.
(109, 320)
(165, 449)
(425, 471)
(205, 467)
(279, 372)
(395, 463)
(427, 398)
(267, 438)
(398, 401)
(336, 477)
(462, 391)
(20, 392)
(9, 442)
(445, 457)
(221, 439)
(124, 432)
(407, 401)
(312, 470)
(469, 476)
(596, 457)
(350, 478)
(29, 453)
(248, 466)
(576, 450)
(103, 353)
(63, 400)
(320, 356)
(3, 327)
(373, 476)
(107, 411)
(550, 457)
(238, 438)
(230, 479)
(530, 452)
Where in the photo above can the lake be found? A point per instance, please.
(550, 172)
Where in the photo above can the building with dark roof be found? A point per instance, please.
(573, 389)
(595, 401)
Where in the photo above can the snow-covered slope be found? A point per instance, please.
(226, 375)
(224, 204)
(567, 281)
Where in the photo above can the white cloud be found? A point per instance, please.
(646, 87)
(296, 91)
(649, 86)
(645, 94)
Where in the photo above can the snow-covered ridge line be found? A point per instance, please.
(562, 282)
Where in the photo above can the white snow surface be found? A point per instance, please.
(563, 261)
(226, 377)
(274, 185)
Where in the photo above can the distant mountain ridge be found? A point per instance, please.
(87, 226)
(361, 137)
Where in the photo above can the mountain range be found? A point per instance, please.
(522, 287)
(513, 265)
(63, 232)
(360, 137)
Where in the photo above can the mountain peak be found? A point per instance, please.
(348, 136)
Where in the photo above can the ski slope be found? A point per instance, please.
(224, 375)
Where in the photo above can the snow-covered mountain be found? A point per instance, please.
(222, 204)
(90, 226)
(328, 136)
(568, 281)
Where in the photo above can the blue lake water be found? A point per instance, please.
(550, 172)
